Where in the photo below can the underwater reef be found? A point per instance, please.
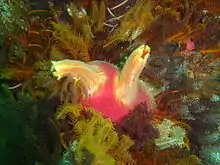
(106, 82)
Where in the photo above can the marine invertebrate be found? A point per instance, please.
(106, 89)
(170, 135)
(74, 45)
(138, 125)
(205, 139)
(74, 38)
(94, 136)
(114, 10)
(132, 23)
(98, 15)
(202, 73)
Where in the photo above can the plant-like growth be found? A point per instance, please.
(132, 24)
(95, 135)
(138, 125)
(98, 15)
(74, 40)
(170, 135)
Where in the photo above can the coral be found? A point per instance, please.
(137, 124)
(192, 76)
(95, 135)
(205, 139)
(170, 105)
(170, 135)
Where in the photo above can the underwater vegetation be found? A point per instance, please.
(128, 82)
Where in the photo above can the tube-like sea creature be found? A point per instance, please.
(111, 92)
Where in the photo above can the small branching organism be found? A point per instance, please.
(202, 74)
(170, 135)
(98, 15)
(205, 139)
(138, 125)
(74, 39)
(25, 52)
(132, 23)
(95, 135)
(67, 42)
